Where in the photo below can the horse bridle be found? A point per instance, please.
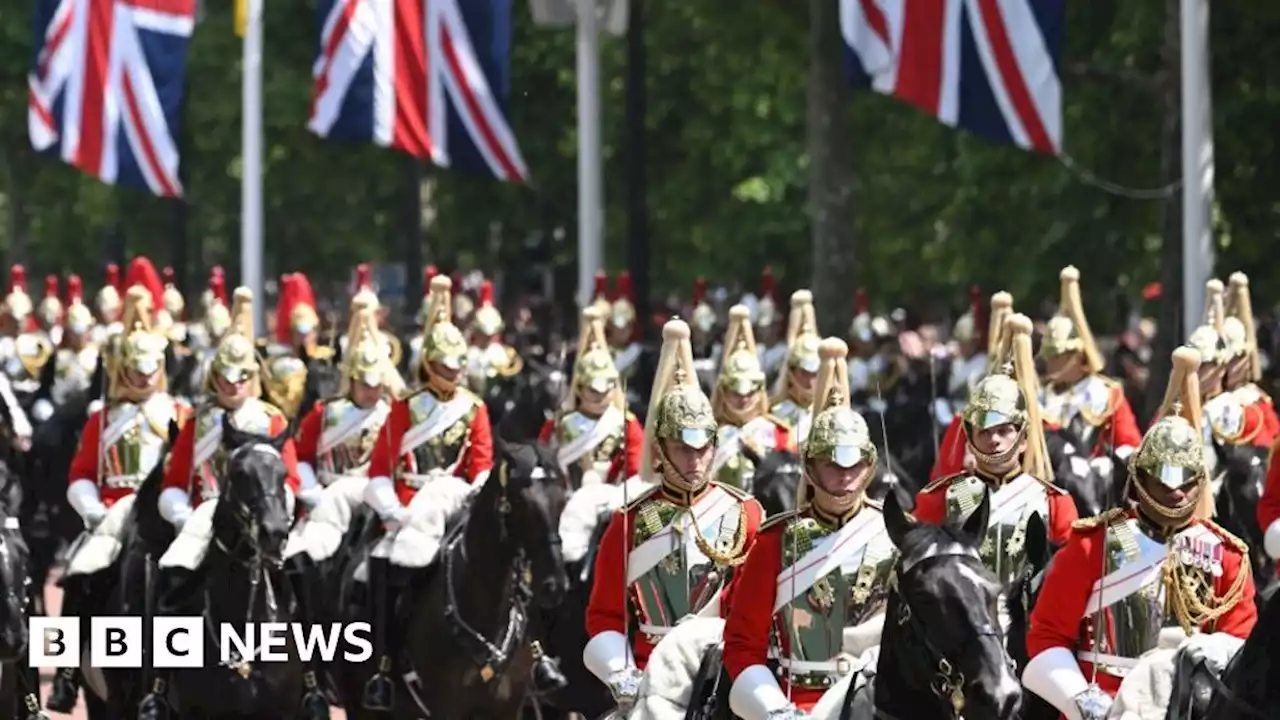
(496, 654)
(947, 682)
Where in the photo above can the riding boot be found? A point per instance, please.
(171, 596)
(379, 691)
(155, 706)
(65, 692)
(547, 677)
(301, 572)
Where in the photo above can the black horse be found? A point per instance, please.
(1242, 470)
(241, 581)
(1249, 688)
(19, 684)
(1096, 485)
(469, 619)
(942, 654)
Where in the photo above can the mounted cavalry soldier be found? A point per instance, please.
(415, 343)
(1005, 435)
(434, 447)
(336, 439)
(71, 369)
(206, 334)
(621, 331)
(120, 444)
(24, 350)
(108, 304)
(741, 406)
(767, 320)
(817, 575)
(487, 356)
(671, 552)
(952, 449)
(793, 390)
(284, 377)
(49, 312)
(1077, 396)
(1134, 574)
(593, 431)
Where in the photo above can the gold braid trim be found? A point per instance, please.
(727, 557)
(1097, 521)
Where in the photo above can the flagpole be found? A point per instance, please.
(1197, 161)
(251, 166)
(590, 177)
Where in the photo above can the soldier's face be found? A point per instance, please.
(690, 462)
(1064, 367)
(142, 381)
(996, 440)
(365, 395)
(232, 391)
(840, 481)
(447, 374)
(593, 400)
(803, 380)
(740, 403)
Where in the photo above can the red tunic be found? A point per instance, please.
(387, 461)
(1057, 620)
(605, 609)
(180, 474)
(307, 440)
(626, 463)
(1124, 424)
(931, 507)
(951, 451)
(751, 619)
(86, 465)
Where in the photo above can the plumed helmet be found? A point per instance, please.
(860, 328)
(600, 296)
(442, 341)
(1011, 395)
(487, 319)
(740, 370)
(969, 325)
(364, 286)
(108, 298)
(218, 320)
(236, 357)
(837, 432)
(301, 308)
(142, 273)
(50, 306)
(138, 347)
(366, 357)
(1239, 333)
(1172, 450)
(174, 303)
(622, 312)
(678, 409)
(428, 274)
(1068, 331)
(594, 367)
(79, 317)
(767, 308)
(18, 303)
(704, 316)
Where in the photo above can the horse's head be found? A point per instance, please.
(941, 624)
(253, 516)
(530, 492)
(775, 481)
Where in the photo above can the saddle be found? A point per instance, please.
(709, 699)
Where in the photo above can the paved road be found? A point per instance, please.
(53, 599)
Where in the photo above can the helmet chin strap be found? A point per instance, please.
(1166, 517)
(680, 480)
(999, 463)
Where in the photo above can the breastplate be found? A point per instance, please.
(685, 580)
(352, 452)
(127, 461)
(445, 449)
(1224, 417)
(575, 425)
(1133, 623)
(1004, 547)
(286, 383)
(814, 622)
(250, 418)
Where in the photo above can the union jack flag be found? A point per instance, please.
(427, 77)
(106, 84)
(987, 66)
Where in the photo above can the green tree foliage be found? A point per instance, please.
(936, 210)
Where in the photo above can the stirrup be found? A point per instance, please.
(154, 706)
(314, 704)
(31, 703)
(64, 683)
(380, 691)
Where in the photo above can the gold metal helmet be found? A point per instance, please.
(1011, 395)
(1172, 451)
(740, 370)
(1068, 331)
(174, 303)
(487, 320)
(594, 367)
(366, 358)
(17, 303)
(838, 433)
(79, 317)
(622, 311)
(802, 342)
(137, 347)
(218, 319)
(236, 357)
(442, 341)
(1239, 333)
(678, 409)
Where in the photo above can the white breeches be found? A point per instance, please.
(322, 531)
(96, 549)
(416, 542)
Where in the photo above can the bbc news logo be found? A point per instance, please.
(179, 642)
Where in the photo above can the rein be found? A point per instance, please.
(947, 682)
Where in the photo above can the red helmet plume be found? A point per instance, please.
(861, 305)
(17, 278)
(364, 277)
(75, 290)
(170, 277)
(766, 282)
(284, 306)
(699, 290)
(142, 272)
(602, 284)
(486, 293)
(624, 289)
(428, 273)
(112, 277)
(978, 309)
(218, 285)
(51, 286)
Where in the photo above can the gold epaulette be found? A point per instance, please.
(779, 519)
(940, 482)
(321, 352)
(643, 496)
(1228, 538)
(1097, 521)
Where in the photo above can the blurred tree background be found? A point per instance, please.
(729, 150)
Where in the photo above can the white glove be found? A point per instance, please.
(94, 517)
(625, 686)
(310, 497)
(42, 410)
(395, 518)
